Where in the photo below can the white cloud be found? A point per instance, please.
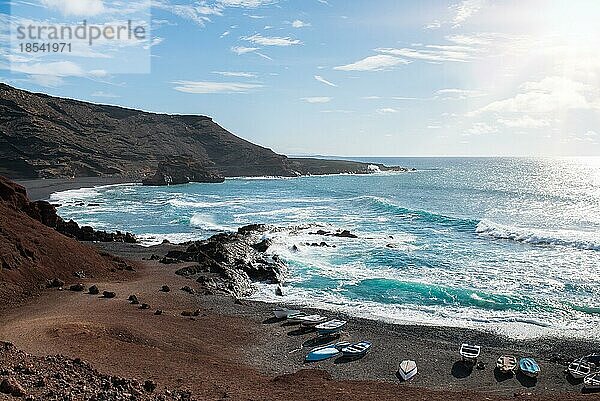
(79, 8)
(300, 24)
(271, 41)
(105, 95)
(317, 99)
(550, 95)
(235, 74)
(454, 93)
(481, 128)
(246, 3)
(433, 25)
(373, 63)
(525, 122)
(225, 34)
(387, 110)
(465, 10)
(203, 87)
(243, 50)
(436, 55)
(324, 81)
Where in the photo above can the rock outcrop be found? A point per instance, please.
(182, 171)
(232, 262)
(49, 137)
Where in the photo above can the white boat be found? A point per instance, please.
(357, 349)
(330, 327)
(469, 353)
(580, 368)
(325, 352)
(283, 313)
(506, 364)
(295, 317)
(310, 320)
(407, 369)
(592, 381)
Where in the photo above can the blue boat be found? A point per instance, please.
(325, 352)
(529, 367)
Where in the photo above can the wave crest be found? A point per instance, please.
(568, 238)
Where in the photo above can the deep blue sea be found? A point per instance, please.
(504, 244)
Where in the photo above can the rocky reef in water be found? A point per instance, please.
(229, 263)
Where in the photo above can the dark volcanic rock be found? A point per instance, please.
(345, 234)
(180, 170)
(11, 386)
(77, 287)
(93, 290)
(109, 294)
(234, 262)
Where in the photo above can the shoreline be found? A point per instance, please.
(241, 340)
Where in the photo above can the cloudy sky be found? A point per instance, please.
(347, 77)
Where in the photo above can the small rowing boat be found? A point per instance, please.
(407, 369)
(330, 327)
(506, 364)
(283, 313)
(325, 352)
(580, 368)
(310, 320)
(592, 381)
(529, 367)
(469, 353)
(357, 350)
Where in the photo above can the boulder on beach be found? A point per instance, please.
(12, 387)
(79, 287)
(109, 294)
(94, 290)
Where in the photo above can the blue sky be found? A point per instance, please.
(343, 77)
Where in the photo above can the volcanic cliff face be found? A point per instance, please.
(43, 136)
(32, 253)
(49, 137)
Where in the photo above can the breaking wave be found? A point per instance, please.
(568, 238)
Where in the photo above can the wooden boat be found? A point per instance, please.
(357, 350)
(580, 368)
(283, 313)
(529, 367)
(407, 369)
(592, 381)
(330, 327)
(506, 364)
(325, 352)
(469, 353)
(311, 320)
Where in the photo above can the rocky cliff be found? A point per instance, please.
(49, 137)
(32, 253)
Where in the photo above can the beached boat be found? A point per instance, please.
(357, 350)
(407, 369)
(506, 364)
(580, 368)
(593, 358)
(330, 327)
(592, 381)
(325, 352)
(283, 313)
(296, 317)
(469, 353)
(529, 367)
(311, 320)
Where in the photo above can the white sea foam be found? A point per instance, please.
(568, 238)
(207, 222)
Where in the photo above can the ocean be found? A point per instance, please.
(510, 245)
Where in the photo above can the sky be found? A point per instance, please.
(341, 77)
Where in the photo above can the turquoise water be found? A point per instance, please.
(510, 245)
